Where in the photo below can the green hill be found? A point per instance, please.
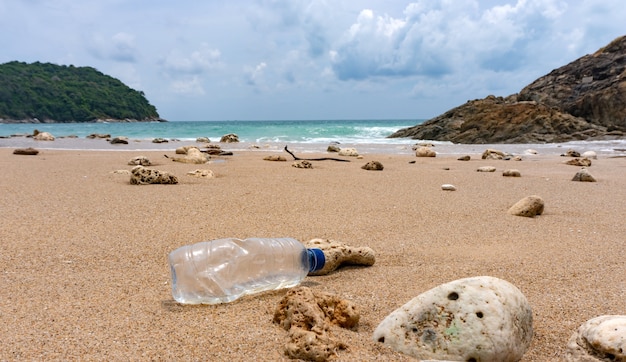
(50, 93)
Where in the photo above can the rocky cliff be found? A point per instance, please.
(583, 100)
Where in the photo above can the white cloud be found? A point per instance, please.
(196, 62)
(254, 75)
(188, 86)
(119, 47)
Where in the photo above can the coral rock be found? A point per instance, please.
(584, 162)
(194, 155)
(119, 140)
(491, 154)
(275, 158)
(590, 155)
(43, 136)
(160, 140)
(373, 166)
(338, 254)
(529, 206)
(472, 319)
(302, 164)
(584, 176)
(571, 153)
(425, 152)
(139, 160)
(308, 317)
(144, 176)
(464, 158)
(599, 339)
(486, 169)
(229, 138)
(201, 173)
(25, 151)
(203, 140)
(352, 152)
(511, 173)
(333, 148)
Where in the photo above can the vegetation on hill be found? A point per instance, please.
(48, 92)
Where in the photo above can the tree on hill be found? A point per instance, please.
(59, 93)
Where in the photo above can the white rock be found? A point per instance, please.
(448, 187)
(352, 152)
(599, 339)
(530, 151)
(590, 155)
(486, 169)
(472, 319)
(425, 152)
(511, 173)
(584, 176)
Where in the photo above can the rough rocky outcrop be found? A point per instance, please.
(585, 99)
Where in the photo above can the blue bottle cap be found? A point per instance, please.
(316, 259)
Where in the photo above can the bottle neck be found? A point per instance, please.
(316, 259)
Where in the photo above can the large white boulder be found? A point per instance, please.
(472, 319)
(599, 339)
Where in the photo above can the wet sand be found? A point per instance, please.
(85, 275)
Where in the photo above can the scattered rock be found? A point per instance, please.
(517, 158)
(486, 169)
(201, 173)
(491, 154)
(145, 176)
(193, 156)
(275, 158)
(338, 254)
(119, 140)
(121, 172)
(599, 339)
(511, 173)
(308, 316)
(203, 140)
(472, 319)
(425, 152)
(464, 158)
(160, 140)
(590, 155)
(584, 176)
(302, 164)
(448, 187)
(25, 151)
(333, 147)
(530, 151)
(140, 160)
(584, 162)
(373, 166)
(42, 136)
(529, 206)
(571, 153)
(229, 138)
(352, 152)
(99, 135)
(182, 150)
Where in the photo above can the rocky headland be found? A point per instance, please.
(583, 100)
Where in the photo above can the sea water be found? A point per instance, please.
(367, 136)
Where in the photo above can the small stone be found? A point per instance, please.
(425, 152)
(229, 138)
(351, 152)
(201, 173)
(139, 160)
(182, 150)
(144, 176)
(590, 155)
(99, 135)
(491, 154)
(160, 140)
(517, 158)
(486, 169)
(121, 172)
(472, 319)
(598, 339)
(584, 162)
(275, 158)
(571, 153)
(530, 151)
(529, 206)
(511, 173)
(43, 136)
(448, 187)
(25, 151)
(464, 158)
(584, 176)
(302, 164)
(373, 166)
(333, 148)
(119, 140)
(338, 254)
(203, 140)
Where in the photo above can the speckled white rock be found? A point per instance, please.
(472, 319)
(448, 187)
(351, 152)
(599, 339)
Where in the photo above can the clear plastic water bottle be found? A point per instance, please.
(220, 271)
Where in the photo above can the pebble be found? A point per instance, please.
(448, 187)
(486, 169)
(529, 206)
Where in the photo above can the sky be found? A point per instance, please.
(310, 60)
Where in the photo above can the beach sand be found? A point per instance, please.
(84, 270)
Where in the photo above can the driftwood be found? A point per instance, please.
(314, 159)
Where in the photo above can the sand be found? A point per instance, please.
(83, 253)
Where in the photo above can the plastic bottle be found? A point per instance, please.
(220, 271)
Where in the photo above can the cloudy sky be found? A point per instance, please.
(292, 59)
